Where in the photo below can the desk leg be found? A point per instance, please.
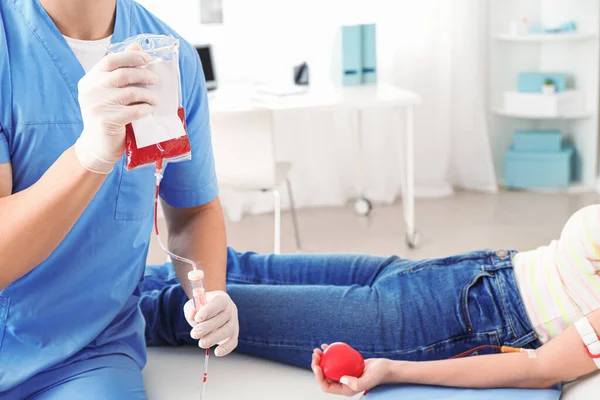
(362, 206)
(412, 237)
(276, 221)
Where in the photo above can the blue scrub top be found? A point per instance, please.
(83, 300)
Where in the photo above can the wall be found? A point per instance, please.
(582, 60)
(260, 37)
(264, 38)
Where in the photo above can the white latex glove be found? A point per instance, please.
(109, 100)
(214, 323)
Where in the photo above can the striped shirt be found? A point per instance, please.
(558, 282)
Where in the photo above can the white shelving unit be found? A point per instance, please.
(579, 115)
(575, 53)
(547, 38)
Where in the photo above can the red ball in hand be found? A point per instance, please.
(339, 360)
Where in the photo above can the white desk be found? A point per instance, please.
(243, 98)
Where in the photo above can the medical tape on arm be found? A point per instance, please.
(590, 339)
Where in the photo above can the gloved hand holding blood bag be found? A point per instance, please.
(161, 135)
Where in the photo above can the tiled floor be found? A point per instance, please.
(467, 221)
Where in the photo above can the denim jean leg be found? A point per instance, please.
(413, 311)
(306, 269)
(161, 302)
(401, 309)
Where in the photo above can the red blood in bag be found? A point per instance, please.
(339, 359)
(164, 150)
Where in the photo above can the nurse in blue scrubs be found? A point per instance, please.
(74, 224)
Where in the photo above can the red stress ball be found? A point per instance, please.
(339, 360)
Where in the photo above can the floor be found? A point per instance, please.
(467, 221)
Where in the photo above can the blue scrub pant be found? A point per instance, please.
(113, 376)
(382, 306)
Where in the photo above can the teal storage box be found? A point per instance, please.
(351, 48)
(530, 170)
(369, 53)
(532, 82)
(538, 140)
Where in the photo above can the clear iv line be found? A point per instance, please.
(159, 176)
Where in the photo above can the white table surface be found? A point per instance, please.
(247, 97)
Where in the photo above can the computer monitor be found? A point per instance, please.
(206, 58)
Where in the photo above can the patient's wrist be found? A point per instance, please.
(396, 371)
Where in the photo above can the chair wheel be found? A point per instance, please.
(362, 207)
(413, 241)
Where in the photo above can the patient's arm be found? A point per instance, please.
(560, 359)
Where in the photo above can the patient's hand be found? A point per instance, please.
(376, 373)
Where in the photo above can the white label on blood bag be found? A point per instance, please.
(164, 123)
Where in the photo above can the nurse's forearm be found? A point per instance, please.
(199, 234)
(34, 221)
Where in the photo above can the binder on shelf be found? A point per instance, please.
(369, 53)
(351, 58)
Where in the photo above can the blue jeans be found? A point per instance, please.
(383, 307)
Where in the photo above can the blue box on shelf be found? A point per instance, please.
(532, 82)
(530, 170)
(537, 140)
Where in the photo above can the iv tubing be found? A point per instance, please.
(158, 174)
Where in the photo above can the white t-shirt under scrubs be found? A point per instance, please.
(88, 52)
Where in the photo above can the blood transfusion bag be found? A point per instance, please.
(161, 135)
(172, 150)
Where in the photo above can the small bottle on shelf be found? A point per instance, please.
(518, 27)
(523, 28)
